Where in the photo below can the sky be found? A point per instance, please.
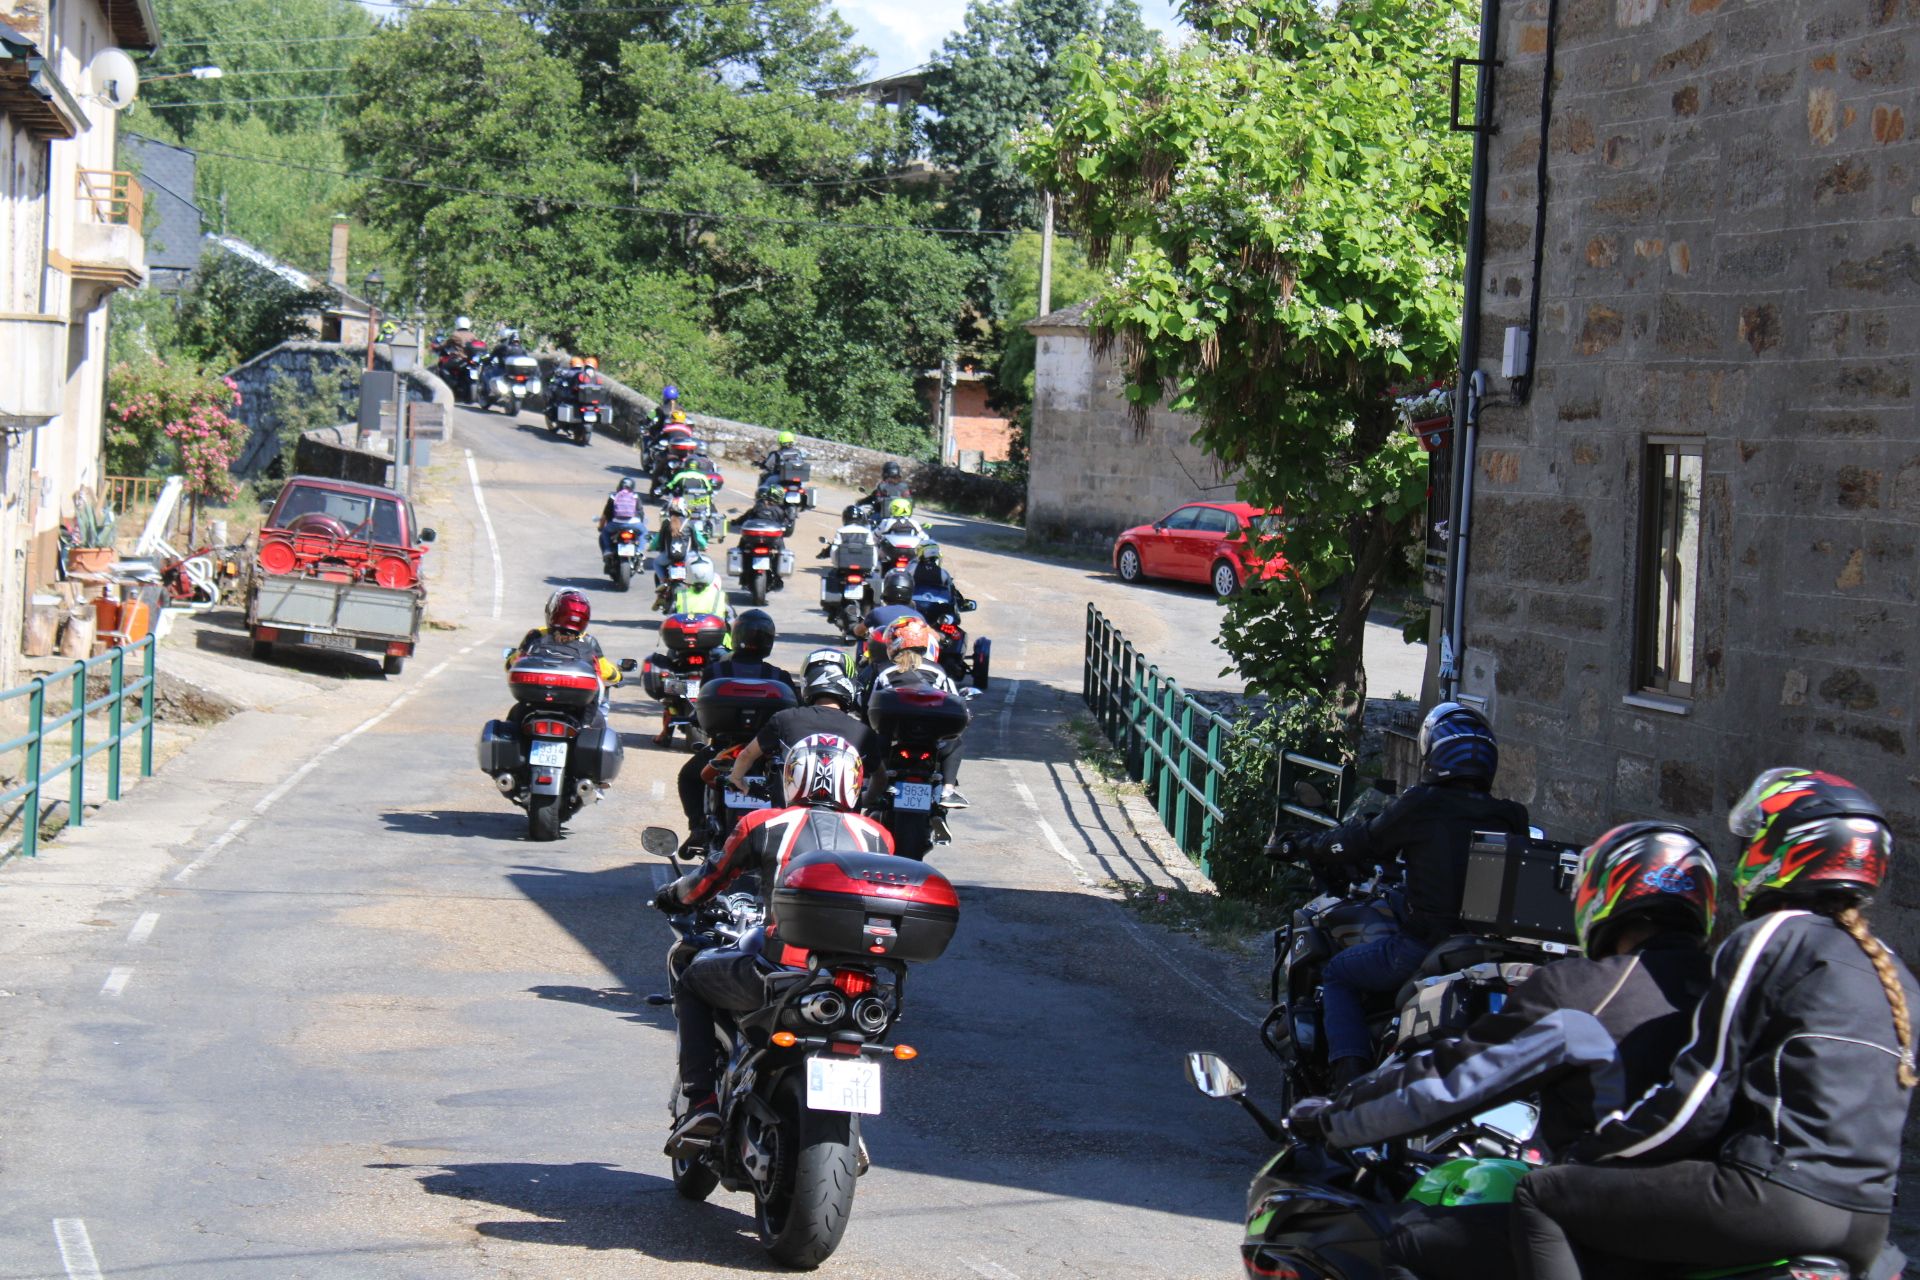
(903, 33)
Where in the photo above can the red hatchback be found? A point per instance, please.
(1216, 543)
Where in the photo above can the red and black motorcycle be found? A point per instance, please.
(917, 721)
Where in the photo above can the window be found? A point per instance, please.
(1184, 518)
(1214, 520)
(1669, 566)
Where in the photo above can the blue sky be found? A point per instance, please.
(902, 33)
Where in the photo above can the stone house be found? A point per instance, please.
(1091, 472)
(70, 234)
(1695, 535)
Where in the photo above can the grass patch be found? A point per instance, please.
(1102, 760)
(1230, 923)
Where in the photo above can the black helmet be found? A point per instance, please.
(1644, 869)
(1457, 742)
(897, 587)
(828, 682)
(890, 472)
(754, 634)
(626, 482)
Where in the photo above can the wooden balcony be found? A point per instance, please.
(108, 250)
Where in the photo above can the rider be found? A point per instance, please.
(914, 651)
(1428, 827)
(1581, 1034)
(767, 508)
(826, 707)
(754, 634)
(1778, 1130)
(568, 614)
(623, 505)
(899, 519)
(892, 485)
(673, 525)
(930, 575)
(783, 452)
(823, 776)
(702, 594)
(896, 602)
(663, 413)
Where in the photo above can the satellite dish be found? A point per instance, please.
(115, 79)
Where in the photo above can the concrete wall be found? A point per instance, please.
(1730, 255)
(1090, 473)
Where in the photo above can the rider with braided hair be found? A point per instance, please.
(1778, 1132)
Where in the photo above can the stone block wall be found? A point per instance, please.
(295, 365)
(1731, 253)
(1091, 474)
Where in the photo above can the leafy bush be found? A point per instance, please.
(161, 415)
(1248, 793)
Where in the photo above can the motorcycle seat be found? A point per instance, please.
(1465, 951)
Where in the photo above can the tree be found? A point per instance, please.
(236, 309)
(283, 57)
(1284, 206)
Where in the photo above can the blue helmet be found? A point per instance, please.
(1457, 742)
(670, 392)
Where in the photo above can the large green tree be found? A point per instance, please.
(1284, 207)
(281, 59)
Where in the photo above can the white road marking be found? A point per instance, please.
(990, 1269)
(659, 790)
(76, 1249)
(116, 982)
(143, 928)
(493, 540)
(1059, 847)
(1006, 709)
(987, 595)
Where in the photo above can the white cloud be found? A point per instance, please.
(905, 33)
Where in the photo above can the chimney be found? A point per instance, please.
(337, 264)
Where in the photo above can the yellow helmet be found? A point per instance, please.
(677, 416)
(786, 437)
(899, 508)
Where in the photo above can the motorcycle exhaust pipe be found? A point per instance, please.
(823, 1008)
(869, 1015)
(505, 782)
(585, 791)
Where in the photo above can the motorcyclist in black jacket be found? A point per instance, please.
(1583, 1034)
(767, 507)
(1428, 828)
(1778, 1131)
(893, 484)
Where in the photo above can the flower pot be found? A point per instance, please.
(90, 559)
(1433, 432)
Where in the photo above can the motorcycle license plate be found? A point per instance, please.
(551, 754)
(628, 549)
(693, 689)
(917, 796)
(677, 573)
(855, 593)
(740, 800)
(321, 640)
(843, 1084)
(762, 562)
(590, 415)
(793, 497)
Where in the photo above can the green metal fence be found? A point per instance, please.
(38, 776)
(1173, 744)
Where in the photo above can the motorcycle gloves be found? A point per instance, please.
(1307, 1119)
(666, 899)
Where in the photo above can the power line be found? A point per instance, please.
(277, 71)
(223, 40)
(245, 102)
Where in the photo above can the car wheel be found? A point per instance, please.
(1129, 564)
(1226, 580)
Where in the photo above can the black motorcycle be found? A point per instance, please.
(801, 1070)
(694, 642)
(791, 476)
(580, 404)
(731, 711)
(851, 585)
(1319, 1214)
(555, 753)
(459, 367)
(916, 722)
(942, 611)
(628, 539)
(761, 562)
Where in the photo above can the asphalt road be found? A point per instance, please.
(312, 1006)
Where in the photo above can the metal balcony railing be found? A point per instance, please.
(111, 196)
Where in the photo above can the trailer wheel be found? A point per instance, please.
(392, 664)
(263, 651)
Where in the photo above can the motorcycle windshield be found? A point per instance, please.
(939, 601)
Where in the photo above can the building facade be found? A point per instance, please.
(1695, 522)
(71, 236)
(172, 223)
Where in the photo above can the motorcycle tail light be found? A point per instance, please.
(695, 659)
(626, 535)
(852, 982)
(948, 629)
(550, 728)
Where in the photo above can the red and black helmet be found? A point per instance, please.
(1643, 869)
(568, 611)
(1808, 835)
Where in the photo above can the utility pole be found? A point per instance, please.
(1046, 253)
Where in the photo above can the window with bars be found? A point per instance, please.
(1669, 565)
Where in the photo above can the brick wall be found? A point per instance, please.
(1730, 254)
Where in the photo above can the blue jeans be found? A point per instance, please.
(1382, 965)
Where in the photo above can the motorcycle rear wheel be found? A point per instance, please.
(912, 832)
(802, 1216)
(622, 573)
(543, 817)
(757, 587)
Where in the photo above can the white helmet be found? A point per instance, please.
(823, 768)
(463, 322)
(700, 573)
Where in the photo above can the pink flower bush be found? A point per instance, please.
(154, 409)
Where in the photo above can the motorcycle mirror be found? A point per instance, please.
(428, 535)
(1515, 1120)
(507, 652)
(659, 841)
(1308, 795)
(629, 664)
(1210, 1074)
(968, 606)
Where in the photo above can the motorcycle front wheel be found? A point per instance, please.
(803, 1213)
(543, 817)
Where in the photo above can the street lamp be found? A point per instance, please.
(193, 73)
(375, 284)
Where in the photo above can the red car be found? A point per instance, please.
(1217, 543)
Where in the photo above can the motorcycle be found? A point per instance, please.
(694, 642)
(1319, 1214)
(556, 753)
(899, 548)
(1515, 905)
(916, 722)
(578, 405)
(801, 1070)
(942, 612)
(761, 562)
(848, 590)
(629, 538)
(459, 367)
(731, 711)
(700, 508)
(508, 380)
(792, 477)
(676, 454)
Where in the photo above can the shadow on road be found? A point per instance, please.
(589, 1205)
(598, 582)
(631, 1005)
(506, 824)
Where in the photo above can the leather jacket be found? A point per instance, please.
(1790, 1070)
(767, 839)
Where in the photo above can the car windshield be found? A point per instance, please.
(364, 515)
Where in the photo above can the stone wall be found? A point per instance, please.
(269, 376)
(1090, 472)
(1730, 255)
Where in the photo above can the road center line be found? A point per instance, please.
(493, 540)
(76, 1249)
(143, 928)
(1006, 710)
(116, 982)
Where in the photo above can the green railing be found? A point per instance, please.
(1172, 744)
(38, 776)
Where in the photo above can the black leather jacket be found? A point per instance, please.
(1586, 1034)
(1428, 827)
(1789, 1071)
